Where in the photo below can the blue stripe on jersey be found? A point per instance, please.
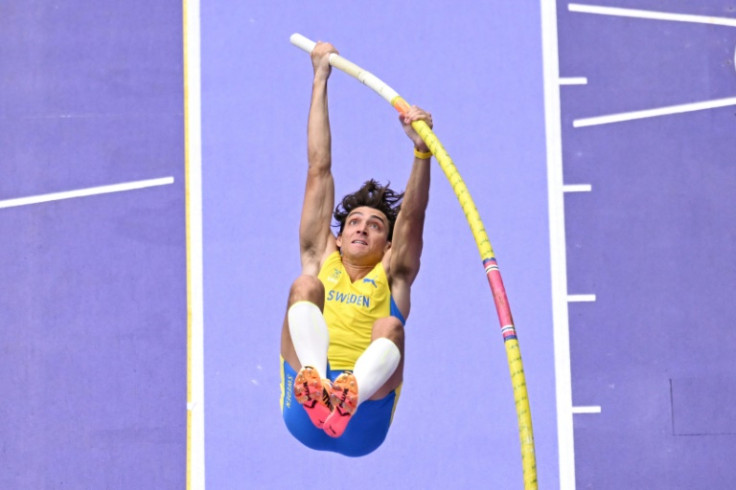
(396, 312)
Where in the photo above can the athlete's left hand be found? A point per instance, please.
(415, 114)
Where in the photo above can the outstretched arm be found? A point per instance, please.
(315, 237)
(406, 246)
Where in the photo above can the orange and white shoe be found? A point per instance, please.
(313, 393)
(344, 399)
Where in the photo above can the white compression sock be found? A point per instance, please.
(375, 366)
(309, 335)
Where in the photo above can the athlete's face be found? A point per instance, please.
(365, 235)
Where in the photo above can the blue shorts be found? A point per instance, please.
(365, 432)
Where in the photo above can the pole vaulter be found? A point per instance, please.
(508, 331)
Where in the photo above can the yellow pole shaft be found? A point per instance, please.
(511, 342)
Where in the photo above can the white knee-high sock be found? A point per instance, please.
(375, 366)
(309, 335)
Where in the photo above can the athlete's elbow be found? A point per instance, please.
(318, 154)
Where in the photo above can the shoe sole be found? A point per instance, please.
(310, 394)
(344, 399)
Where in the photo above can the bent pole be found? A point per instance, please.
(508, 331)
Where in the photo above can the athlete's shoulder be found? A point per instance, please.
(330, 260)
(332, 269)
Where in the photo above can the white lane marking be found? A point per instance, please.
(651, 14)
(587, 409)
(577, 188)
(573, 81)
(580, 298)
(558, 260)
(89, 191)
(661, 111)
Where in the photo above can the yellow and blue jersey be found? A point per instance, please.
(351, 308)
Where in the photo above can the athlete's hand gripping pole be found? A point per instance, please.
(513, 354)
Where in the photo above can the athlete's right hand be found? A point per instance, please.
(321, 59)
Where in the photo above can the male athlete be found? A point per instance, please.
(342, 341)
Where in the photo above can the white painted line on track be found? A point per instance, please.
(662, 111)
(651, 14)
(90, 191)
(587, 409)
(577, 188)
(581, 298)
(573, 81)
(558, 251)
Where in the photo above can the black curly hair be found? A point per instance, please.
(374, 195)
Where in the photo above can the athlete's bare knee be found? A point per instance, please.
(307, 288)
(391, 328)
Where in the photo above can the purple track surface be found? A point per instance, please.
(654, 241)
(93, 298)
(93, 309)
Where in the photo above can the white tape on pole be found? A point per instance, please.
(363, 76)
